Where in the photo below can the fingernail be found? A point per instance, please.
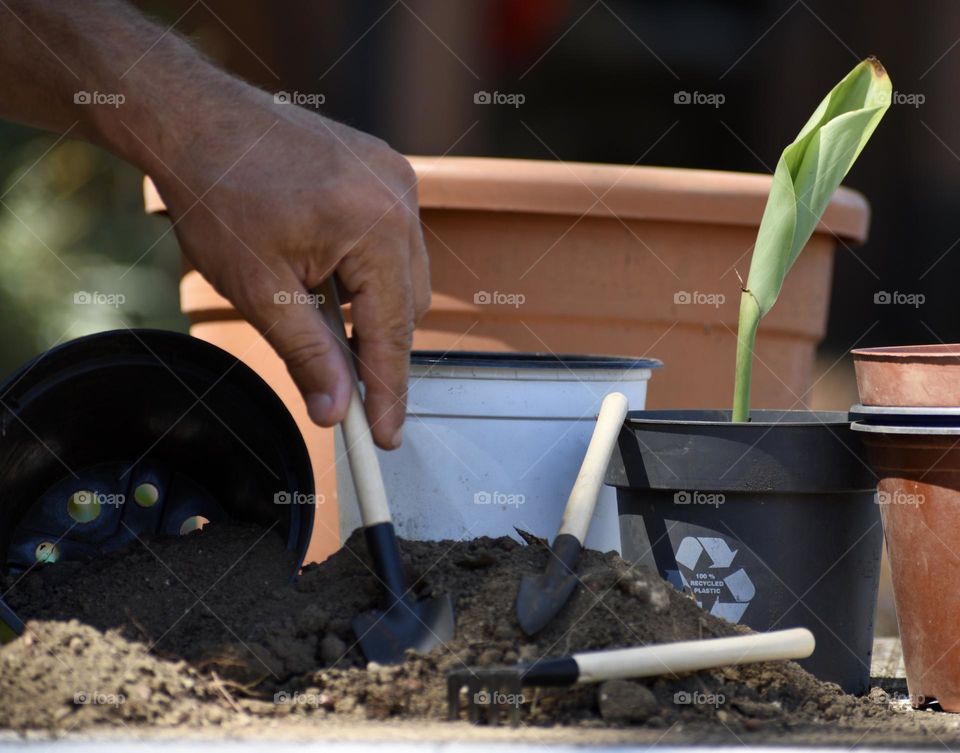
(397, 438)
(319, 405)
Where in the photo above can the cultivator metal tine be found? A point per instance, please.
(515, 715)
(455, 682)
(474, 691)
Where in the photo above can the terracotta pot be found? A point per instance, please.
(919, 495)
(905, 376)
(608, 259)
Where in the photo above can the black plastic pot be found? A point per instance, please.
(771, 523)
(140, 432)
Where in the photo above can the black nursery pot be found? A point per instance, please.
(122, 435)
(771, 523)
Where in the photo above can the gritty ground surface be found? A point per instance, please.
(204, 635)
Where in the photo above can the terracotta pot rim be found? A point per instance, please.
(629, 192)
(930, 353)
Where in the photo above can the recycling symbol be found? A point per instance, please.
(707, 569)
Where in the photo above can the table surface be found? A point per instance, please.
(887, 670)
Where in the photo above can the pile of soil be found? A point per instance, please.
(210, 629)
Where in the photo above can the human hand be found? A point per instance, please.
(270, 200)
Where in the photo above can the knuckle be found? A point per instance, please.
(398, 334)
(251, 289)
(304, 350)
(422, 305)
(396, 214)
(404, 171)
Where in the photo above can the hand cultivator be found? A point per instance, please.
(493, 692)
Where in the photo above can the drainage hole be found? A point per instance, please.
(47, 552)
(146, 495)
(83, 506)
(193, 523)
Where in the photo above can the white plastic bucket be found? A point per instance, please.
(493, 442)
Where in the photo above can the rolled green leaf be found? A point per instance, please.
(808, 173)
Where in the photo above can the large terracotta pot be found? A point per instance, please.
(606, 258)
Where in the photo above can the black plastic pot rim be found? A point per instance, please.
(765, 418)
(919, 418)
(905, 410)
(937, 431)
(778, 452)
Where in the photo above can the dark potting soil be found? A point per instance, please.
(208, 630)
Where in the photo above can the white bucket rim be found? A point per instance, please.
(467, 364)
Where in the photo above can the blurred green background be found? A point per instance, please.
(72, 229)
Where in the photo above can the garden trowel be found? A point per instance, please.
(405, 621)
(542, 596)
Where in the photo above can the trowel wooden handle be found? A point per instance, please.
(583, 496)
(692, 656)
(361, 452)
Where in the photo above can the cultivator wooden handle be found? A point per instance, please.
(690, 656)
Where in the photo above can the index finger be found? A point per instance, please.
(383, 322)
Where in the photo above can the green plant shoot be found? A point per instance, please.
(808, 172)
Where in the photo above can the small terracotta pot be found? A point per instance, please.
(907, 376)
(919, 496)
(609, 259)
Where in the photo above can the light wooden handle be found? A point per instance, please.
(361, 452)
(692, 656)
(583, 496)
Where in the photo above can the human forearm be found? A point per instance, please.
(111, 76)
